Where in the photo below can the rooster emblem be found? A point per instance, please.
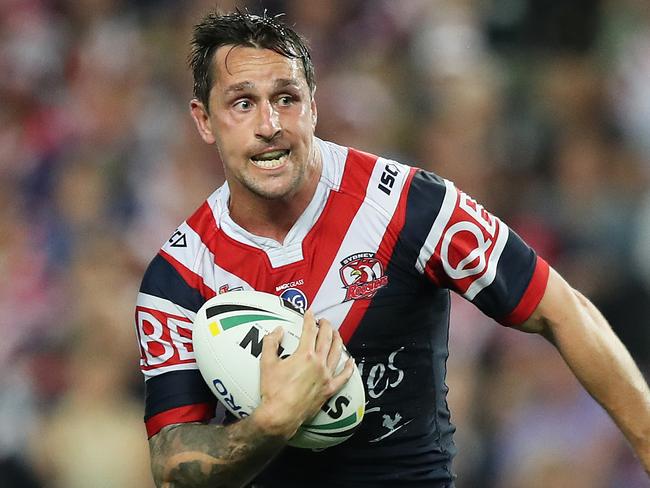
(362, 275)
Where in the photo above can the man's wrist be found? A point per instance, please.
(273, 425)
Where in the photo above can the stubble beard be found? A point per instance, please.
(261, 188)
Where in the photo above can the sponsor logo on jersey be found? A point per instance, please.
(226, 288)
(165, 339)
(290, 284)
(471, 246)
(296, 298)
(387, 179)
(362, 275)
(178, 239)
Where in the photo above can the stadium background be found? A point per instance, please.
(538, 108)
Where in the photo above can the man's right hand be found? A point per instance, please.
(294, 389)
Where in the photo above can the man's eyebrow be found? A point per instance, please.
(249, 85)
(239, 87)
(284, 82)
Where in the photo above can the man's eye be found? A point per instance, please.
(285, 100)
(243, 105)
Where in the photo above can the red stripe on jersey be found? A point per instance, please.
(190, 277)
(531, 297)
(233, 256)
(203, 222)
(247, 262)
(324, 240)
(384, 253)
(199, 412)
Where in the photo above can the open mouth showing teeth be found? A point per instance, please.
(270, 160)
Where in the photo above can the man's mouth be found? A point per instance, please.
(270, 159)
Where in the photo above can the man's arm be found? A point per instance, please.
(197, 455)
(597, 358)
(292, 391)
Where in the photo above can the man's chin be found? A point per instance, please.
(273, 194)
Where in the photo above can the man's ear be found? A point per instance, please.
(202, 121)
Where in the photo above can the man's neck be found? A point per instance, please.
(275, 218)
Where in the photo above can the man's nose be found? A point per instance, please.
(268, 124)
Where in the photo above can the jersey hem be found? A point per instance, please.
(531, 297)
(199, 412)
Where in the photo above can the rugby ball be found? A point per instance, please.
(227, 339)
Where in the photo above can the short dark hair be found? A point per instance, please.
(243, 29)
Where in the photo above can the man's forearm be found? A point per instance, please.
(197, 455)
(607, 371)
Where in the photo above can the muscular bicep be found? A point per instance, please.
(559, 302)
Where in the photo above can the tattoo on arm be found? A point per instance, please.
(197, 455)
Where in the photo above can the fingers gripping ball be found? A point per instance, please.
(227, 339)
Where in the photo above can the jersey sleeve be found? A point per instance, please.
(169, 297)
(465, 248)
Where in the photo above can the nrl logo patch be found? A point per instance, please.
(296, 298)
(362, 275)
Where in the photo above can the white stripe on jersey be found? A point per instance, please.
(446, 211)
(163, 305)
(196, 257)
(493, 262)
(192, 247)
(376, 202)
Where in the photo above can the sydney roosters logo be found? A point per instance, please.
(362, 275)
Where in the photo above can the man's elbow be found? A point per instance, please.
(181, 470)
(172, 467)
(166, 461)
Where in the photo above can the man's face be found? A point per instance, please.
(262, 120)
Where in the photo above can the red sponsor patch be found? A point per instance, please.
(165, 339)
(470, 247)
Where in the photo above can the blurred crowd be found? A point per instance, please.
(540, 109)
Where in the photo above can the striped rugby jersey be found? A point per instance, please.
(375, 252)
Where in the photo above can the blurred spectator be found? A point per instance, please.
(94, 437)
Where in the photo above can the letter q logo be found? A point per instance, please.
(461, 269)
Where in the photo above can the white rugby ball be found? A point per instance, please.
(227, 339)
